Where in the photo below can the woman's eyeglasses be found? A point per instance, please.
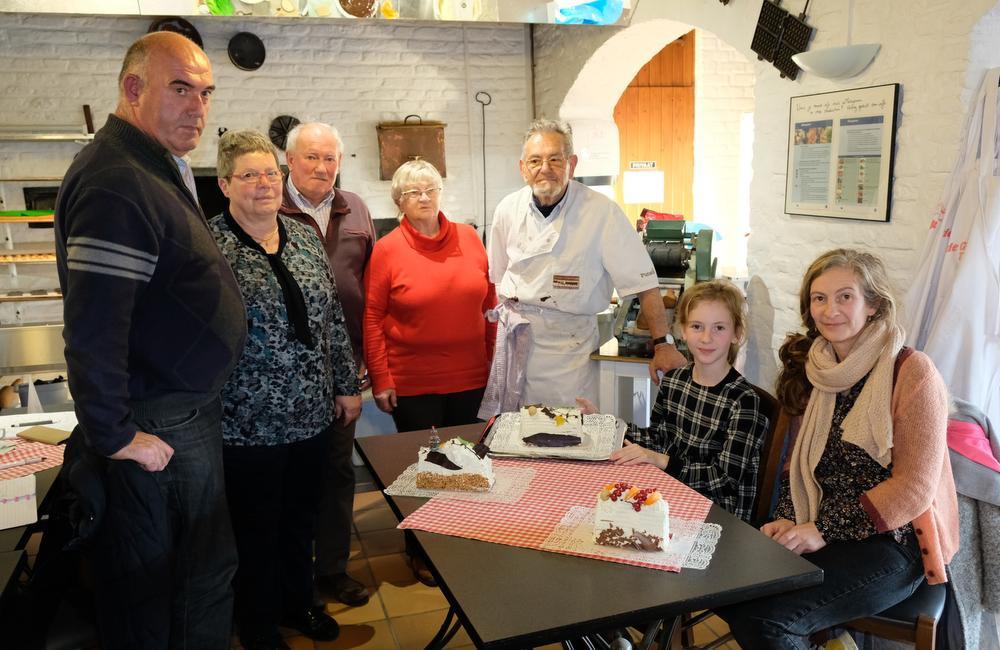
(430, 193)
(272, 176)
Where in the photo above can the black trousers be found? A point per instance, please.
(274, 495)
(336, 510)
(446, 410)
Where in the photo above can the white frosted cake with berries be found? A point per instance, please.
(551, 426)
(627, 516)
(456, 465)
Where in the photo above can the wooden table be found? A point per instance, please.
(508, 597)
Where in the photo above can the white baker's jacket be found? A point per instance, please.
(561, 270)
(571, 260)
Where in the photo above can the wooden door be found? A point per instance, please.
(655, 118)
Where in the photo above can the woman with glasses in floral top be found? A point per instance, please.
(296, 376)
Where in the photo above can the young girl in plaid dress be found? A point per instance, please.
(706, 427)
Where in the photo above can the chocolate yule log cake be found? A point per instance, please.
(551, 426)
(456, 465)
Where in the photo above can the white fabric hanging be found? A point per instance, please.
(953, 305)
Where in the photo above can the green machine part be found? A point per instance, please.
(663, 231)
(704, 263)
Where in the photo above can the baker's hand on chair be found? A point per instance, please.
(386, 400)
(665, 357)
(586, 406)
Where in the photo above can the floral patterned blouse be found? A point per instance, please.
(844, 473)
(282, 390)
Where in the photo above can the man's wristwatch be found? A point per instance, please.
(662, 340)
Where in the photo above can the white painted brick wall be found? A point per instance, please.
(349, 74)
(723, 93)
(936, 50)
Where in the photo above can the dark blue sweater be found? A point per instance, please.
(152, 312)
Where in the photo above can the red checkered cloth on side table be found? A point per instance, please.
(53, 455)
(558, 485)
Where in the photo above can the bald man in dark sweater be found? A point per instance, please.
(154, 324)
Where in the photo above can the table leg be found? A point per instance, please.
(444, 634)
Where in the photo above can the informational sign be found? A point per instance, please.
(840, 153)
(642, 164)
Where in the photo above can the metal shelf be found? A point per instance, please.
(21, 258)
(37, 218)
(27, 296)
(46, 137)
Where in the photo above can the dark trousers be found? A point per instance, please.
(273, 496)
(860, 579)
(336, 509)
(446, 410)
(164, 557)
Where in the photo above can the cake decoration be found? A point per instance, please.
(627, 516)
(551, 440)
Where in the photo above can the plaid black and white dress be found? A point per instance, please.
(712, 435)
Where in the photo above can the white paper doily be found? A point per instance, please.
(691, 545)
(510, 484)
(602, 434)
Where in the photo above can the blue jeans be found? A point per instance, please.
(861, 578)
(165, 556)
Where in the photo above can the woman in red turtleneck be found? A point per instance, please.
(428, 345)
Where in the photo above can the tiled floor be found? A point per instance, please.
(402, 613)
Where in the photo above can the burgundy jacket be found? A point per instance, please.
(348, 241)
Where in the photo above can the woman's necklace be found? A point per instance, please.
(263, 241)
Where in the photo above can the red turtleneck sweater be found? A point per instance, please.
(424, 328)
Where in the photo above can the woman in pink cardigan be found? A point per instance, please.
(869, 496)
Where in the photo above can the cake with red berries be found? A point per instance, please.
(456, 465)
(551, 426)
(628, 516)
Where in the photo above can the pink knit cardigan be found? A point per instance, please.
(921, 488)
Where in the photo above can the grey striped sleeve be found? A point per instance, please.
(109, 258)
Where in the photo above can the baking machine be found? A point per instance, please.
(680, 258)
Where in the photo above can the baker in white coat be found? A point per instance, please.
(556, 250)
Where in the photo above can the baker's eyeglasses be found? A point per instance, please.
(272, 176)
(555, 162)
(430, 193)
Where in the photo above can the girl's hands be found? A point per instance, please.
(633, 454)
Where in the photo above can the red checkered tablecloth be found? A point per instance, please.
(53, 455)
(556, 487)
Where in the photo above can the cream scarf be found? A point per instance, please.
(869, 423)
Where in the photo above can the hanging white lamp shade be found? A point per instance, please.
(837, 62)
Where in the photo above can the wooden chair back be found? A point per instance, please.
(769, 469)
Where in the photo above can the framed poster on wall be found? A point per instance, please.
(841, 147)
